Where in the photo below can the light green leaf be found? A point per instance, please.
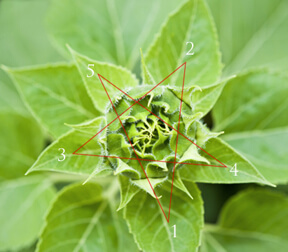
(23, 204)
(256, 219)
(252, 33)
(146, 186)
(9, 98)
(81, 219)
(180, 184)
(25, 42)
(119, 76)
(128, 191)
(21, 142)
(266, 149)
(191, 23)
(217, 239)
(247, 172)
(192, 154)
(146, 76)
(112, 31)
(254, 100)
(126, 169)
(201, 100)
(150, 228)
(75, 164)
(260, 211)
(55, 94)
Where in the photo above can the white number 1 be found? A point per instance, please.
(174, 226)
(234, 169)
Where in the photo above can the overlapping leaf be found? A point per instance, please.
(191, 23)
(55, 94)
(70, 142)
(23, 204)
(119, 76)
(247, 172)
(21, 142)
(150, 228)
(109, 31)
(252, 33)
(82, 218)
(256, 218)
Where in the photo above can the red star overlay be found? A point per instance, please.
(140, 159)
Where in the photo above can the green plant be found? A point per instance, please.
(106, 203)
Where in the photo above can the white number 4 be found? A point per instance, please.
(234, 169)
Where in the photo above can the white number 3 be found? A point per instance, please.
(62, 154)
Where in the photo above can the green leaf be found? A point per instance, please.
(75, 164)
(128, 191)
(146, 76)
(9, 98)
(25, 42)
(119, 76)
(247, 172)
(146, 186)
(256, 219)
(21, 142)
(191, 23)
(55, 94)
(23, 204)
(112, 31)
(259, 210)
(151, 230)
(266, 149)
(254, 100)
(217, 239)
(81, 219)
(201, 100)
(252, 33)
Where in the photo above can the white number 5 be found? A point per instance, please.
(92, 71)
(192, 46)
(62, 154)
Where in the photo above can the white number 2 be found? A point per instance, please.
(90, 69)
(62, 154)
(174, 226)
(234, 169)
(192, 46)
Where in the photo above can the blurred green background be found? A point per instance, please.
(252, 33)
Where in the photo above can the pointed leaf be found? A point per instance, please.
(152, 231)
(75, 164)
(191, 23)
(127, 189)
(145, 185)
(55, 95)
(244, 99)
(266, 149)
(247, 172)
(119, 76)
